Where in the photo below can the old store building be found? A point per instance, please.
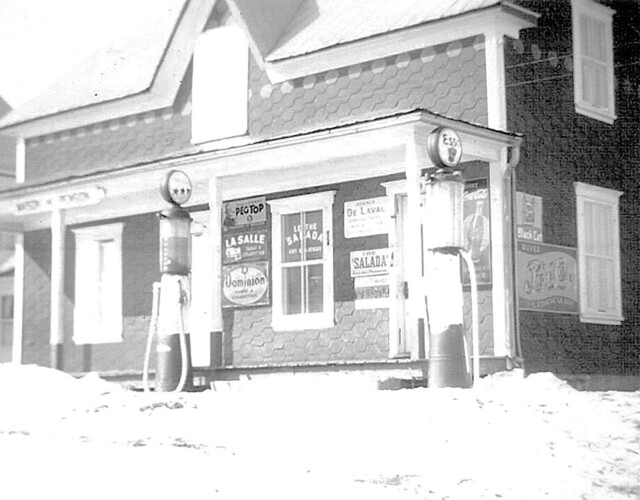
(304, 131)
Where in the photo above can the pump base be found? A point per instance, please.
(169, 363)
(447, 360)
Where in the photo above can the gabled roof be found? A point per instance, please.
(133, 73)
(142, 72)
(320, 24)
(122, 67)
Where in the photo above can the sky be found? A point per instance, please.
(40, 40)
(316, 436)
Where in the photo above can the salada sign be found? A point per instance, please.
(369, 262)
(245, 246)
(245, 285)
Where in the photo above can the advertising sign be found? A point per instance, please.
(366, 217)
(372, 292)
(248, 212)
(528, 217)
(245, 285)
(369, 262)
(298, 244)
(547, 278)
(245, 245)
(477, 229)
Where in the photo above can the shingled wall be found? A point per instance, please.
(447, 79)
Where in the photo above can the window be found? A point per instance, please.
(598, 254)
(593, 60)
(98, 286)
(303, 262)
(220, 85)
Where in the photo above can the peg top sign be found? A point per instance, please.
(444, 147)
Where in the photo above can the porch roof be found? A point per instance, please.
(314, 157)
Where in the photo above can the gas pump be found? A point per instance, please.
(171, 296)
(444, 246)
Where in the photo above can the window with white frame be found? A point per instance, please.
(219, 98)
(599, 254)
(302, 250)
(98, 284)
(594, 94)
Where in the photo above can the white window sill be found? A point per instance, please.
(97, 340)
(302, 322)
(601, 319)
(595, 113)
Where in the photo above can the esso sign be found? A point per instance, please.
(445, 147)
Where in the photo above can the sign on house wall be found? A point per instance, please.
(245, 253)
(245, 285)
(477, 229)
(372, 292)
(366, 217)
(547, 278)
(369, 262)
(528, 217)
(247, 212)
(245, 245)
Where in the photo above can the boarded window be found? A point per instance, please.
(220, 85)
(98, 285)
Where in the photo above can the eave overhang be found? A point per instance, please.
(505, 18)
(361, 148)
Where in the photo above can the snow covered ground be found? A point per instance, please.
(315, 437)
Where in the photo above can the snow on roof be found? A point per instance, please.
(319, 24)
(121, 64)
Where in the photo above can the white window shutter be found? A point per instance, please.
(599, 254)
(220, 85)
(593, 60)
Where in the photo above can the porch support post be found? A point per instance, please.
(415, 160)
(215, 231)
(18, 299)
(503, 321)
(58, 230)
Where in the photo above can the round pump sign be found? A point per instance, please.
(444, 147)
(176, 187)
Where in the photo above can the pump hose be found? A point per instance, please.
(474, 315)
(184, 299)
(153, 328)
